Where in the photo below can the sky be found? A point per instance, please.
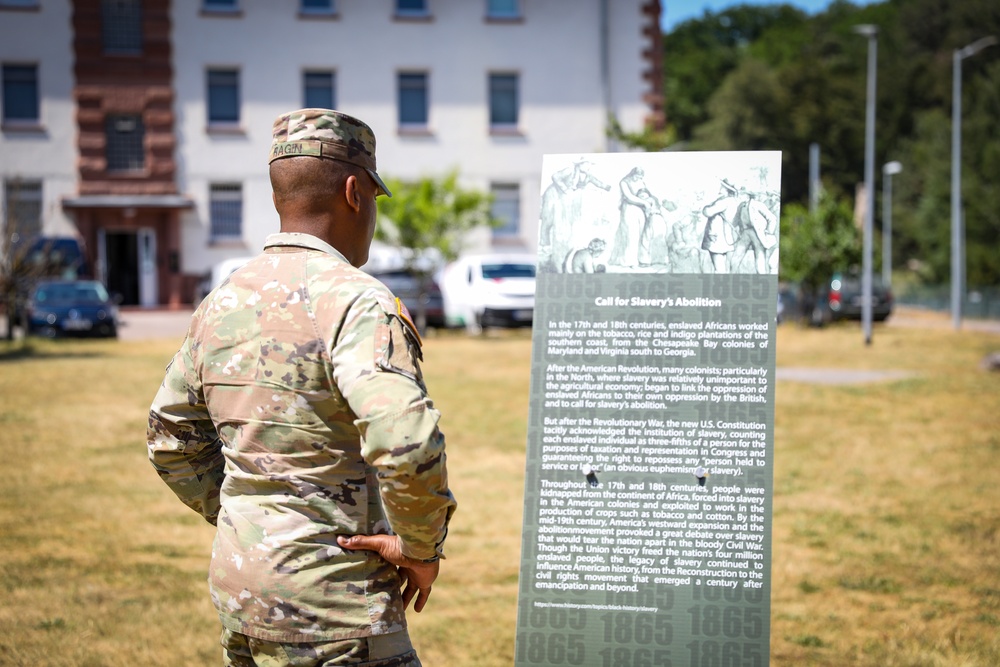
(678, 11)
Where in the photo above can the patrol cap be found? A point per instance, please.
(326, 133)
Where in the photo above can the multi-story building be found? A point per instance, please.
(37, 118)
(152, 119)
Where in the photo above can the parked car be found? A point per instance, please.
(38, 258)
(71, 308)
(216, 276)
(58, 257)
(406, 286)
(841, 299)
(489, 290)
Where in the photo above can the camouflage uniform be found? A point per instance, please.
(295, 411)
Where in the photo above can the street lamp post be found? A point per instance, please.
(957, 228)
(889, 169)
(814, 186)
(871, 32)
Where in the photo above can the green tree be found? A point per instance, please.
(649, 139)
(767, 77)
(699, 53)
(430, 216)
(747, 112)
(15, 271)
(922, 198)
(814, 246)
(20, 268)
(980, 187)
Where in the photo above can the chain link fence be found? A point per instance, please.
(979, 302)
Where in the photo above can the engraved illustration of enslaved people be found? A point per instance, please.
(684, 246)
(584, 260)
(756, 228)
(560, 208)
(719, 233)
(655, 231)
(635, 204)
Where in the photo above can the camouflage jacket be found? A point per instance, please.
(295, 411)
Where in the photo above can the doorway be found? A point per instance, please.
(129, 261)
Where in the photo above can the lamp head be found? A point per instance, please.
(866, 29)
(977, 46)
(892, 168)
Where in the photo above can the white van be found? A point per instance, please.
(218, 274)
(489, 290)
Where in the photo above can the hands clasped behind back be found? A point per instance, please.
(417, 575)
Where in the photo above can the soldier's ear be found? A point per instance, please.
(352, 192)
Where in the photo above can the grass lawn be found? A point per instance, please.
(886, 533)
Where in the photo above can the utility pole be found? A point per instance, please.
(957, 218)
(871, 32)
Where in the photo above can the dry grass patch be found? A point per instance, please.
(103, 569)
(886, 503)
(886, 545)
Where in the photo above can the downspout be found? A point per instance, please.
(605, 50)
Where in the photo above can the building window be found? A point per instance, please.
(121, 27)
(221, 6)
(321, 7)
(412, 8)
(503, 9)
(506, 207)
(125, 149)
(413, 99)
(20, 93)
(226, 211)
(503, 100)
(318, 90)
(223, 96)
(23, 209)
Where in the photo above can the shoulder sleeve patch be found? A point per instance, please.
(398, 346)
(411, 328)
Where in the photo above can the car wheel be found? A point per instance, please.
(817, 318)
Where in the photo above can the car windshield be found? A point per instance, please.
(71, 293)
(508, 270)
(852, 282)
(397, 278)
(59, 258)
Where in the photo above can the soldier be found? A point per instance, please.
(295, 419)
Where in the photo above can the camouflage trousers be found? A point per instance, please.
(393, 650)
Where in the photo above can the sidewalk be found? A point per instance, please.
(143, 324)
(910, 316)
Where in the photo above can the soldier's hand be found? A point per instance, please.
(417, 575)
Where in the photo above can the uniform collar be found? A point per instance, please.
(303, 241)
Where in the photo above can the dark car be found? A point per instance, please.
(406, 286)
(39, 258)
(57, 257)
(71, 308)
(841, 299)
